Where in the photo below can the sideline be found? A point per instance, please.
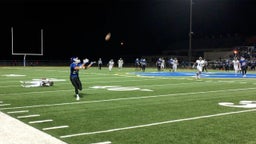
(13, 131)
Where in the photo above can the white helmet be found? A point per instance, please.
(75, 60)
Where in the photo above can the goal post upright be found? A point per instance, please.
(42, 41)
(25, 54)
(12, 39)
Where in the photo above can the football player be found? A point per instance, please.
(137, 64)
(175, 63)
(75, 66)
(120, 63)
(199, 67)
(143, 64)
(44, 82)
(158, 64)
(236, 65)
(111, 64)
(243, 64)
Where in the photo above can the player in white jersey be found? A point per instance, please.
(111, 64)
(44, 82)
(175, 65)
(120, 63)
(236, 65)
(162, 64)
(199, 67)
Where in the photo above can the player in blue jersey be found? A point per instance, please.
(75, 66)
(137, 64)
(170, 64)
(143, 64)
(158, 64)
(243, 64)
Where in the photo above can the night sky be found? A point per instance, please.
(146, 27)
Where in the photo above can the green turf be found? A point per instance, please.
(157, 100)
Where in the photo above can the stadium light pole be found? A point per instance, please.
(190, 33)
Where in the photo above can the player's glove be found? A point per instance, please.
(93, 62)
(85, 61)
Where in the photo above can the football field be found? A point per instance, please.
(128, 107)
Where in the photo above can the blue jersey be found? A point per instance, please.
(158, 62)
(143, 62)
(137, 62)
(243, 63)
(73, 71)
(170, 61)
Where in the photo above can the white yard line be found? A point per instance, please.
(129, 98)
(112, 82)
(28, 116)
(1, 105)
(56, 127)
(13, 112)
(38, 92)
(157, 123)
(13, 131)
(40, 121)
(106, 142)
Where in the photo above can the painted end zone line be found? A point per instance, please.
(158, 123)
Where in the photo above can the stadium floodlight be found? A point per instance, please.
(25, 54)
